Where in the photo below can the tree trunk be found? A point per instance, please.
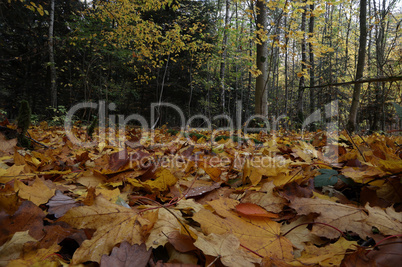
(224, 55)
(53, 74)
(300, 115)
(312, 67)
(261, 92)
(351, 125)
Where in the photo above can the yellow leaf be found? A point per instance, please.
(113, 223)
(227, 248)
(11, 173)
(12, 249)
(330, 255)
(164, 179)
(39, 193)
(258, 234)
(389, 223)
(344, 217)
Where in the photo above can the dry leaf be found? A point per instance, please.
(113, 224)
(127, 255)
(227, 248)
(344, 217)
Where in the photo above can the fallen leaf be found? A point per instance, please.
(330, 255)
(39, 193)
(59, 204)
(266, 198)
(127, 255)
(261, 235)
(251, 209)
(12, 249)
(227, 248)
(28, 217)
(389, 223)
(113, 224)
(343, 217)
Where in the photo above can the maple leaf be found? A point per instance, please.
(27, 217)
(301, 235)
(227, 248)
(113, 224)
(60, 204)
(266, 198)
(127, 255)
(12, 249)
(167, 223)
(39, 193)
(330, 255)
(387, 221)
(343, 217)
(261, 235)
(41, 257)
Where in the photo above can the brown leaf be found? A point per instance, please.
(251, 209)
(28, 217)
(260, 235)
(343, 217)
(227, 248)
(60, 204)
(127, 255)
(113, 224)
(266, 198)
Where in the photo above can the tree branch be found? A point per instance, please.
(369, 80)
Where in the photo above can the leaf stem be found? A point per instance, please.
(333, 227)
(382, 240)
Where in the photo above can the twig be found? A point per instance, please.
(351, 139)
(333, 227)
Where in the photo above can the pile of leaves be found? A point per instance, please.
(163, 199)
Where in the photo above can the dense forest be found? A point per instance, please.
(273, 58)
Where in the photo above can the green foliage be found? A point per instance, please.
(330, 177)
(58, 115)
(398, 109)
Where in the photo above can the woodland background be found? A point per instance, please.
(202, 56)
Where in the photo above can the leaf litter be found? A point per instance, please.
(281, 200)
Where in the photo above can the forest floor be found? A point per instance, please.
(167, 199)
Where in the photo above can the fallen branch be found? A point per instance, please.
(369, 80)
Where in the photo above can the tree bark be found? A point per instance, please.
(351, 125)
(261, 92)
(311, 55)
(224, 55)
(300, 115)
(53, 74)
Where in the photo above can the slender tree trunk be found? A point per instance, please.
(351, 125)
(286, 67)
(300, 115)
(261, 92)
(224, 55)
(53, 74)
(312, 66)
